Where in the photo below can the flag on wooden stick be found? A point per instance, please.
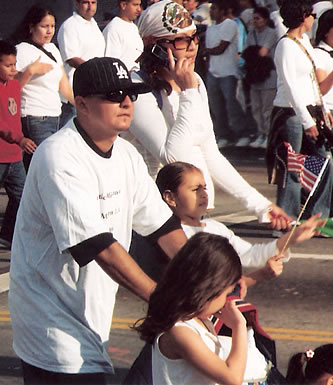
(307, 166)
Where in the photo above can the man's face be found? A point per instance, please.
(7, 68)
(131, 9)
(109, 118)
(86, 8)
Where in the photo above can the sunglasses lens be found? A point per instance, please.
(118, 96)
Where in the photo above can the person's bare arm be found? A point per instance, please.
(172, 242)
(218, 50)
(35, 68)
(75, 62)
(122, 268)
(65, 88)
(325, 80)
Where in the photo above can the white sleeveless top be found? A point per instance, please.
(179, 372)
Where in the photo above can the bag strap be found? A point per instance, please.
(323, 49)
(47, 53)
(326, 120)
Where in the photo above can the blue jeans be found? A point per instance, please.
(290, 197)
(12, 178)
(38, 128)
(228, 116)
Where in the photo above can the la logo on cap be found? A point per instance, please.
(121, 71)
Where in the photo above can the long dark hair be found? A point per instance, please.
(34, 15)
(170, 176)
(293, 12)
(205, 266)
(325, 23)
(302, 370)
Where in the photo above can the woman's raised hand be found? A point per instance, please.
(182, 72)
(38, 68)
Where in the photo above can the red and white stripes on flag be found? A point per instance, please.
(307, 167)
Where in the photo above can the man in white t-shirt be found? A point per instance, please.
(122, 38)
(222, 48)
(86, 190)
(79, 39)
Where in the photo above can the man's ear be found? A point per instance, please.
(122, 5)
(169, 198)
(81, 105)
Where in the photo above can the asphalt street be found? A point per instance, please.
(296, 309)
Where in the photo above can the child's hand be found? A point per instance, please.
(28, 145)
(230, 315)
(38, 68)
(273, 267)
(303, 232)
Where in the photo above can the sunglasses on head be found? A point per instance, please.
(118, 96)
(182, 42)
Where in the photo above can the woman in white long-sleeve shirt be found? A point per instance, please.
(296, 90)
(173, 122)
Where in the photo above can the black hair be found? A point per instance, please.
(302, 370)
(325, 23)
(201, 270)
(265, 14)
(151, 66)
(293, 12)
(170, 177)
(7, 48)
(224, 5)
(34, 15)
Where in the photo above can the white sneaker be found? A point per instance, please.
(221, 143)
(242, 142)
(264, 143)
(258, 142)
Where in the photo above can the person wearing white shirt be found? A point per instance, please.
(222, 48)
(323, 51)
(42, 76)
(122, 39)
(79, 39)
(85, 191)
(297, 89)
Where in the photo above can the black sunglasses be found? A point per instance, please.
(314, 15)
(117, 96)
(182, 42)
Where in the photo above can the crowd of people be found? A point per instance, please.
(99, 117)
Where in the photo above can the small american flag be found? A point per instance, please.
(307, 166)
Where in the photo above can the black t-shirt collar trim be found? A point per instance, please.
(90, 143)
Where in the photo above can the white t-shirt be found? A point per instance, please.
(182, 130)
(78, 37)
(122, 41)
(40, 96)
(296, 87)
(225, 64)
(325, 62)
(251, 255)
(61, 313)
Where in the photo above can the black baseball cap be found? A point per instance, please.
(103, 75)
